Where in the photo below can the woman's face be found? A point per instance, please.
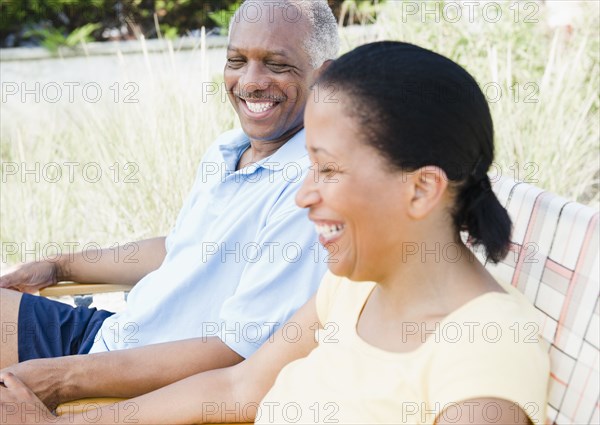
(356, 201)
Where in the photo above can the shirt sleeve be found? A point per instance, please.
(192, 196)
(495, 359)
(283, 278)
(326, 295)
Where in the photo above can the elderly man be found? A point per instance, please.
(240, 259)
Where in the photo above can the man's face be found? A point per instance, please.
(268, 73)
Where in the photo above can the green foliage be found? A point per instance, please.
(81, 35)
(53, 39)
(177, 17)
(222, 17)
(168, 31)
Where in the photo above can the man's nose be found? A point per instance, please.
(255, 78)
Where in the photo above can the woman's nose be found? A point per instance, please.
(308, 195)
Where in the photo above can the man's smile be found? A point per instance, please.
(259, 107)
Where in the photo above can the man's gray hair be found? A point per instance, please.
(323, 42)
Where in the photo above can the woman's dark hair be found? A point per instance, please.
(419, 108)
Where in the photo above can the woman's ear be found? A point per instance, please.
(429, 184)
(319, 71)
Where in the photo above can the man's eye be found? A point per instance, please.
(235, 63)
(277, 67)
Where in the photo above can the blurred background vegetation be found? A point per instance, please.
(25, 22)
(62, 22)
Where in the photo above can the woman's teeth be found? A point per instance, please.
(329, 231)
(258, 107)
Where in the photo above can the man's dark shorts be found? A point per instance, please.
(52, 329)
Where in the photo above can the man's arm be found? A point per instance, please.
(194, 399)
(123, 373)
(126, 264)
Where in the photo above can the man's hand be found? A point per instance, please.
(44, 377)
(31, 277)
(134, 260)
(19, 405)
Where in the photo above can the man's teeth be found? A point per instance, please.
(258, 107)
(329, 231)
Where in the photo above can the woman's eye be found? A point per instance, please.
(321, 169)
(329, 168)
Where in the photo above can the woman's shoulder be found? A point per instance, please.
(505, 307)
(491, 347)
(340, 293)
(494, 331)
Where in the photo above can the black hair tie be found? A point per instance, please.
(485, 184)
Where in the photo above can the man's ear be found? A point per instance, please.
(429, 184)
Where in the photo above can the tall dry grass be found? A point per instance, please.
(147, 152)
(541, 81)
(542, 85)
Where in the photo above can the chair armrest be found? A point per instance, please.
(73, 288)
(88, 404)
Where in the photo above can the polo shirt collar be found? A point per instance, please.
(291, 151)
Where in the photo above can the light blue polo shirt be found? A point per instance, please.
(241, 259)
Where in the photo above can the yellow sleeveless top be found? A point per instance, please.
(488, 348)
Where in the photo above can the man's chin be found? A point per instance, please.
(270, 133)
(261, 133)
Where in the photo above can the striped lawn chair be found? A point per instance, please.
(554, 261)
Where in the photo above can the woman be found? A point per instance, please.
(410, 328)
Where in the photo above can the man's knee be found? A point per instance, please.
(10, 296)
(9, 315)
(9, 312)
